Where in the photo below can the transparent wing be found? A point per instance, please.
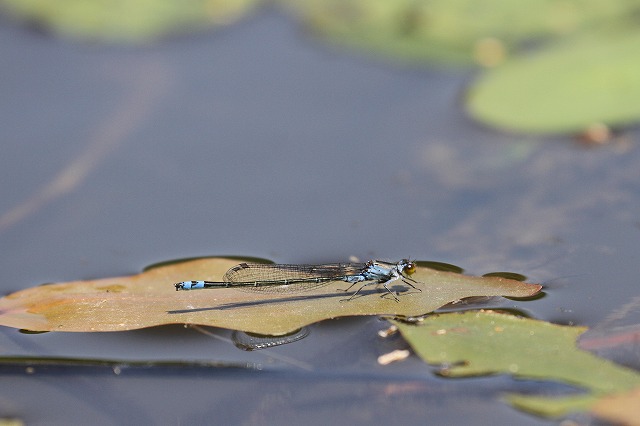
(269, 277)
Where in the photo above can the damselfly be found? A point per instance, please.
(295, 278)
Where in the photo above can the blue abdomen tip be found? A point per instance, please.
(191, 285)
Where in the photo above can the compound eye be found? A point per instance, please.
(409, 268)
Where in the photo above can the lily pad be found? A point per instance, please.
(620, 409)
(149, 299)
(484, 342)
(565, 88)
(450, 30)
(130, 21)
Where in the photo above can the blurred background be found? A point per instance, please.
(491, 135)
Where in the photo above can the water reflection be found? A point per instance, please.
(253, 341)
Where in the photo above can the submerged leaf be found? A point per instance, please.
(149, 299)
(565, 88)
(486, 342)
(132, 21)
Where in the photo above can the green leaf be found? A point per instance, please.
(128, 21)
(149, 299)
(449, 30)
(556, 406)
(485, 342)
(565, 88)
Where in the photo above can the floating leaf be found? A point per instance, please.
(485, 342)
(132, 21)
(11, 422)
(565, 88)
(450, 29)
(620, 409)
(149, 299)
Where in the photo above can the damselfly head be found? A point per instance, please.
(407, 267)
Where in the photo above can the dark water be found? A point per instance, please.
(257, 141)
